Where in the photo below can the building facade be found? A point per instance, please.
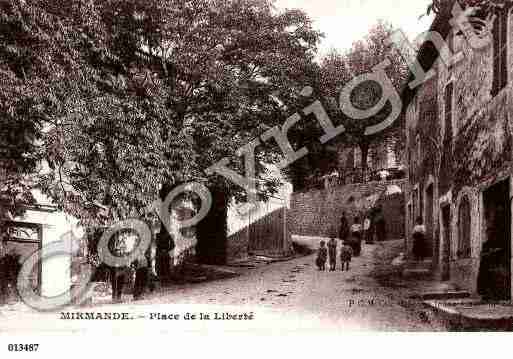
(459, 153)
(31, 238)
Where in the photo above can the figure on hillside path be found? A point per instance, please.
(380, 225)
(344, 228)
(368, 230)
(356, 237)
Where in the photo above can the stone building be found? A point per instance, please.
(33, 234)
(459, 152)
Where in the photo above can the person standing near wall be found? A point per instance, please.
(356, 237)
(119, 275)
(141, 276)
(419, 238)
(367, 230)
(344, 228)
(380, 223)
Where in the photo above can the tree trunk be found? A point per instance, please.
(164, 244)
(212, 231)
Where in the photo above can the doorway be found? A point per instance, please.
(23, 239)
(494, 280)
(447, 242)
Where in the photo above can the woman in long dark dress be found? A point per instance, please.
(380, 224)
(344, 228)
(356, 237)
(419, 239)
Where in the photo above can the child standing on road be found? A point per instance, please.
(346, 253)
(322, 256)
(332, 251)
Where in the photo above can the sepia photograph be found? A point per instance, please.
(254, 166)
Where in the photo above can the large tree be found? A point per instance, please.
(362, 59)
(148, 94)
(336, 71)
(38, 70)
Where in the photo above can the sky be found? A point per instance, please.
(344, 21)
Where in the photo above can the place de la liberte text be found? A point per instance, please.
(202, 316)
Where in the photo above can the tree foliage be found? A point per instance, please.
(445, 6)
(121, 97)
(336, 70)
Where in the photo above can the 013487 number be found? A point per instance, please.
(23, 347)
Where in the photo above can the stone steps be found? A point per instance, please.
(417, 274)
(418, 269)
(449, 295)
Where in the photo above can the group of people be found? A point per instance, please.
(120, 277)
(351, 238)
(140, 270)
(330, 251)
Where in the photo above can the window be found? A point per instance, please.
(449, 93)
(500, 51)
(464, 248)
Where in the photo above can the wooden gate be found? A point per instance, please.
(269, 235)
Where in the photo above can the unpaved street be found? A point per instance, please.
(290, 295)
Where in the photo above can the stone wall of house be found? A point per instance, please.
(53, 275)
(482, 157)
(423, 156)
(463, 272)
(477, 155)
(318, 212)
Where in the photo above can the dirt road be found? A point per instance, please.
(285, 296)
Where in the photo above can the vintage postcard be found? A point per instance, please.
(268, 167)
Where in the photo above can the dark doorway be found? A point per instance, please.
(447, 238)
(494, 281)
(429, 221)
(23, 239)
